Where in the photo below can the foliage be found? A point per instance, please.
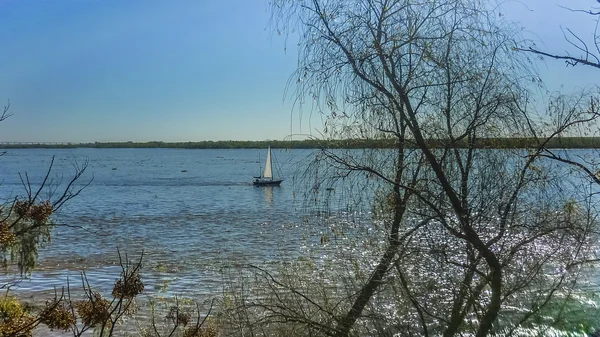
(579, 312)
(58, 316)
(94, 311)
(25, 221)
(25, 225)
(102, 315)
(105, 316)
(15, 320)
(24, 231)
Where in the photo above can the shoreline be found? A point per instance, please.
(483, 143)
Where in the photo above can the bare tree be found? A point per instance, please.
(468, 233)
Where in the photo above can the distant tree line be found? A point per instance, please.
(490, 143)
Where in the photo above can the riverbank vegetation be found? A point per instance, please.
(354, 143)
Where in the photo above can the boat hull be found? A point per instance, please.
(264, 182)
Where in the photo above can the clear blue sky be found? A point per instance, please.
(179, 70)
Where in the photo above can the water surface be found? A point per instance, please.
(189, 211)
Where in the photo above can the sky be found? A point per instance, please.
(184, 70)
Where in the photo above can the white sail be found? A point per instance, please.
(268, 172)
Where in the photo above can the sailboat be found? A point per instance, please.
(267, 177)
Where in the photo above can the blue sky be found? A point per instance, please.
(180, 70)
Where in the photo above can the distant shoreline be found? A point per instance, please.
(491, 143)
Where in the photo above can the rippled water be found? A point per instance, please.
(192, 213)
(189, 211)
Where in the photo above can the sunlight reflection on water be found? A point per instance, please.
(187, 210)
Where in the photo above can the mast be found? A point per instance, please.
(259, 167)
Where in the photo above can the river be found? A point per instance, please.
(188, 211)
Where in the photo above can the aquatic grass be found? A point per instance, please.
(576, 313)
